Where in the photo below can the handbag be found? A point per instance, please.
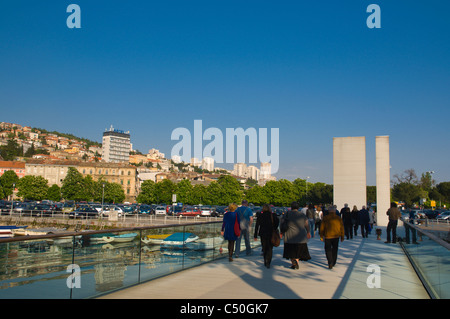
(275, 234)
(237, 227)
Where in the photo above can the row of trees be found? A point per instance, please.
(228, 190)
(407, 187)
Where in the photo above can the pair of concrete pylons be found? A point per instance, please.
(349, 174)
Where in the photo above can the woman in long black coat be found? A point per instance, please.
(266, 222)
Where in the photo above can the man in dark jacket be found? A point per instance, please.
(364, 221)
(347, 220)
(394, 215)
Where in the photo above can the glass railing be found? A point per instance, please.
(91, 263)
(430, 256)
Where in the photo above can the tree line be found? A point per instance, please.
(228, 190)
(407, 187)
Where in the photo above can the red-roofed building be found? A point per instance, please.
(17, 167)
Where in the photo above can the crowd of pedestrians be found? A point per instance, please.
(296, 227)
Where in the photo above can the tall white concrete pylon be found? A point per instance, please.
(349, 171)
(383, 179)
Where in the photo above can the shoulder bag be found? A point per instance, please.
(237, 227)
(275, 234)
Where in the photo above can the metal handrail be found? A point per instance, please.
(92, 232)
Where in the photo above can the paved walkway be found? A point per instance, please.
(247, 278)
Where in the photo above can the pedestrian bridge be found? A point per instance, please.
(76, 266)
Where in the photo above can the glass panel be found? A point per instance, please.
(430, 256)
(88, 265)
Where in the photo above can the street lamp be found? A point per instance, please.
(103, 196)
(12, 199)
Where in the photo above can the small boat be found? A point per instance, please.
(178, 240)
(120, 238)
(95, 238)
(205, 243)
(154, 239)
(37, 231)
(9, 231)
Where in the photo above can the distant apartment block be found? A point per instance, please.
(116, 146)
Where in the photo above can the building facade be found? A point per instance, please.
(17, 167)
(120, 173)
(54, 171)
(116, 146)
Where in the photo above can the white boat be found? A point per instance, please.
(9, 231)
(124, 238)
(205, 243)
(178, 240)
(154, 239)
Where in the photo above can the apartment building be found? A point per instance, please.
(116, 146)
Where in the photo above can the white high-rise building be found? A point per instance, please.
(208, 164)
(116, 146)
(253, 172)
(240, 169)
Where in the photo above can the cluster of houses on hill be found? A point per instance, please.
(61, 152)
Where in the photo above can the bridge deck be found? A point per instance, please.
(247, 278)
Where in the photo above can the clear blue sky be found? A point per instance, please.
(313, 69)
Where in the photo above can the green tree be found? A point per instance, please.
(256, 195)
(73, 185)
(198, 194)
(11, 150)
(444, 189)
(114, 193)
(147, 194)
(164, 191)
(184, 192)
(231, 190)
(54, 193)
(320, 193)
(371, 194)
(32, 187)
(407, 192)
(7, 180)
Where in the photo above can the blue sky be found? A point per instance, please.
(313, 69)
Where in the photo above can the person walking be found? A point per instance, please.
(296, 236)
(310, 213)
(371, 219)
(364, 220)
(408, 228)
(266, 223)
(246, 218)
(346, 216)
(355, 220)
(394, 215)
(318, 216)
(228, 228)
(331, 230)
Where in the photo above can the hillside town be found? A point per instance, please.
(38, 152)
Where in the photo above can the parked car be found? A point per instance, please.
(207, 211)
(146, 209)
(84, 212)
(116, 209)
(444, 215)
(431, 214)
(160, 210)
(37, 210)
(190, 211)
